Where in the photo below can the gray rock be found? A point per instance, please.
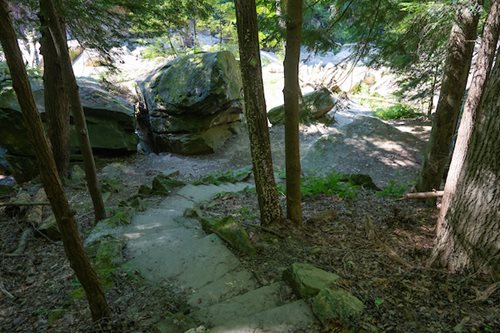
(337, 305)
(110, 122)
(313, 107)
(49, 229)
(307, 280)
(192, 104)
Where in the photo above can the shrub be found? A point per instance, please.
(397, 111)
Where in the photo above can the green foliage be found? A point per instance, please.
(230, 176)
(111, 185)
(332, 183)
(398, 111)
(393, 190)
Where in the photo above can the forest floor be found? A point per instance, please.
(380, 246)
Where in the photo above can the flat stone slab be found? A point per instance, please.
(283, 319)
(252, 302)
(231, 284)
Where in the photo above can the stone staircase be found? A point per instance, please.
(163, 245)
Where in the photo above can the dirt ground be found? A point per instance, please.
(380, 246)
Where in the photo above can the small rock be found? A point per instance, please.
(313, 106)
(307, 280)
(337, 305)
(231, 232)
(49, 228)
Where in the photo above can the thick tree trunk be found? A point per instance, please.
(291, 93)
(59, 39)
(56, 100)
(456, 70)
(48, 172)
(468, 230)
(255, 110)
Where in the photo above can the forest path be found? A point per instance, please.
(166, 247)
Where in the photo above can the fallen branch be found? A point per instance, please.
(7, 204)
(5, 291)
(484, 295)
(424, 195)
(23, 242)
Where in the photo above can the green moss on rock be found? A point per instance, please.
(231, 232)
(307, 280)
(337, 305)
(313, 107)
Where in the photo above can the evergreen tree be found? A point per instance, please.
(52, 184)
(255, 111)
(467, 226)
(291, 93)
(456, 72)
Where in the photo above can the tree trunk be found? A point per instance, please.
(255, 110)
(456, 70)
(56, 100)
(291, 93)
(48, 172)
(468, 229)
(59, 40)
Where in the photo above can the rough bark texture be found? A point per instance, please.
(460, 48)
(48, 172)
(59, 39)
(56, 100)
(291, 94)
(255, 111)
(469, 230)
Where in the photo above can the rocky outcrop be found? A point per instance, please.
(192, 104)
(110, 122)
(314, 107)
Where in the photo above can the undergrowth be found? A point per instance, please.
(332, 183)
(230, 176)
(393, 190)
(398, 111)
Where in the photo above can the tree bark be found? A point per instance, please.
(255, 111)
(59, 40)
(64, 215)
(460, 48)
(291, 93)
(467, 226)
(56, 100)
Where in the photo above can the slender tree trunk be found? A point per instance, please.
(255, 110)
(48, 172)
(291, 93)
(56, 100)
(467, 229)
(456, 70)
(59, 40)
(433, 91)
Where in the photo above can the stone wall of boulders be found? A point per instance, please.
(192, 104)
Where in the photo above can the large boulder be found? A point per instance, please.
(313, 107)
(110, 122)
(192, 104)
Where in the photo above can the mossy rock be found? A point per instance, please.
(108, 258)
(360, 179)
(229, 231)
(313, 107)
(307, 280)
(50, 229)
(338, 306)
(163, 184)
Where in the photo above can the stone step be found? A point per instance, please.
(185, 254)
(290, 317)
(242, 306)
(156, 219)
(230, 285)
